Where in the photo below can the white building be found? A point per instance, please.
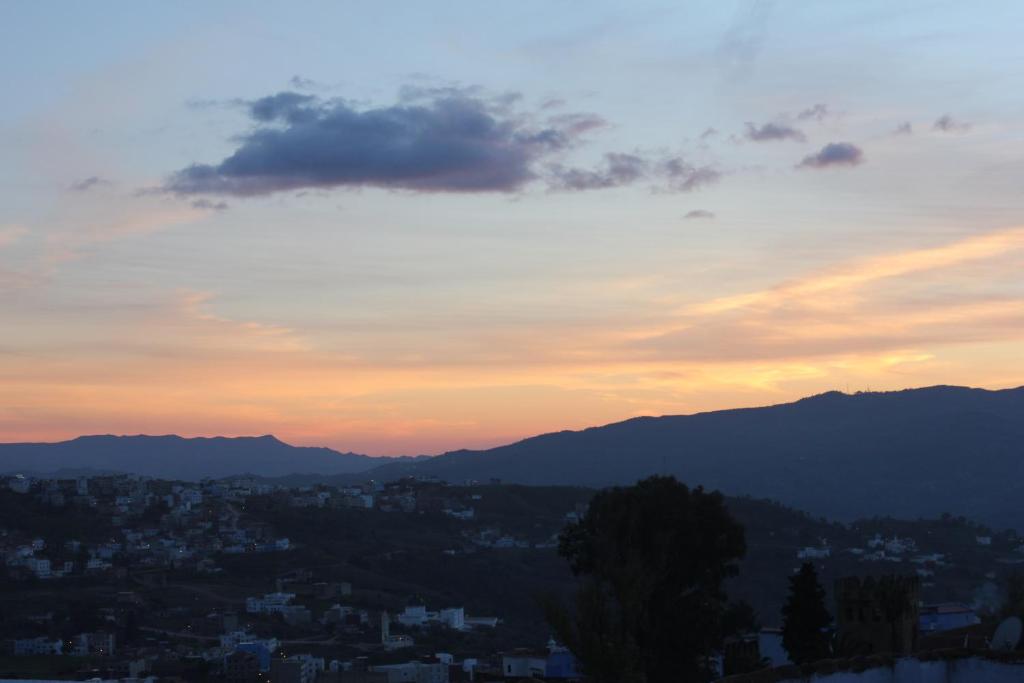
(38, 646)
(231, 640)
(192, 496)
(269, 603)
(812, 553)
(413, 616)
(94, 644)
(39, 566)
(453, 617)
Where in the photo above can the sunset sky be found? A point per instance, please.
(402, 228)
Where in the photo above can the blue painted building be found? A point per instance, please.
(946, 616)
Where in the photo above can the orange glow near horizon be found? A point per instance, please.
(187, 369)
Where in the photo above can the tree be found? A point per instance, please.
(652, 558)
(804, 618)
(1013, 605)
(896, 602)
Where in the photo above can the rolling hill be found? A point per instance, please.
(919, 452)
(175, 457)
(912, 453)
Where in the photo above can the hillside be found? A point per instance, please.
(912, 453)
(174, 457)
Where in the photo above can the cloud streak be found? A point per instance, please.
(871, 270)
(89, 183)
(873, 306)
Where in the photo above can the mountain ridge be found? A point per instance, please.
(906, 453)
(909, 453)
(172, 456)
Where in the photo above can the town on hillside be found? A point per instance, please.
(126, 578)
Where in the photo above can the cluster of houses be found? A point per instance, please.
(150, 523)
(157, 523)
(898, 550)
(261, 660)
(83, 645)
(154, 523)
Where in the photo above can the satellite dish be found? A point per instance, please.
(1007, 635)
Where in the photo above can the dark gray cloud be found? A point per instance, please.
(434, 140)
(287, 106)
(947, 124)
(818, 113)
(904, 129)
(699, 214)
(834, 154)
(773, 131)
(708, 133)
(89, 183)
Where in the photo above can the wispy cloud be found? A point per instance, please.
(699, 214)
(855, 310)
(204, 203)
(218, 330)
(882, 267)
(743, 42)
(89, 183)
(671, 174)
(818, 112)
(947, 124)
(617, 170)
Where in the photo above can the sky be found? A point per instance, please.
(408, 227)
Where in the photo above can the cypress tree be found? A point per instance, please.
(805, 618)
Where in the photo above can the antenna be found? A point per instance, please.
(1008, 634)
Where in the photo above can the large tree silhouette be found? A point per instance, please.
(652, 558)
(805, 618)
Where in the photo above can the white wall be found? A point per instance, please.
(910, 670)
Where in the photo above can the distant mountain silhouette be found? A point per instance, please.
(175, 457)
(919, 452)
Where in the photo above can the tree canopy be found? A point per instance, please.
(805, 618)
(652, 558)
